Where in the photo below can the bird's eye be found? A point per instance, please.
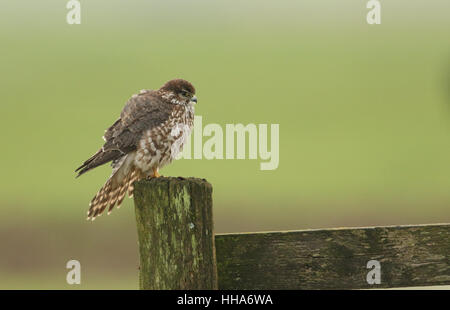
(185, 93)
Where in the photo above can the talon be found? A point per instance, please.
(155, 173)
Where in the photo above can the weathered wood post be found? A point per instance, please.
(175, 233)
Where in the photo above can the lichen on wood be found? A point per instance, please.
(335, 258)
(175, 233)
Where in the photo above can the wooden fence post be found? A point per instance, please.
(175, 233)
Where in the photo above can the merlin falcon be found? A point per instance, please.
(151, 131)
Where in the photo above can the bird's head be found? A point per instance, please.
(179, 91)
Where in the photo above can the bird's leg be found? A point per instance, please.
(155, 173)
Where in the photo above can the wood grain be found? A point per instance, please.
(335, 258)
(175, 233)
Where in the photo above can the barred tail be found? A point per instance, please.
(114, 190)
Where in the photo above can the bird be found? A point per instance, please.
(151, 131)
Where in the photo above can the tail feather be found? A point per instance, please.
(108, 195)
(114, 197)
(114, 190)
(125, 189)
(134, 177)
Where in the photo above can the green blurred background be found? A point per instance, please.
(364, 114)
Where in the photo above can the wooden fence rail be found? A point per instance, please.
(178, 249)
(335, 258)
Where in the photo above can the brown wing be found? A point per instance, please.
(141, 112)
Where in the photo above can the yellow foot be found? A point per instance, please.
(155, 173)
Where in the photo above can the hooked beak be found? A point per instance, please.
(194, 99)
